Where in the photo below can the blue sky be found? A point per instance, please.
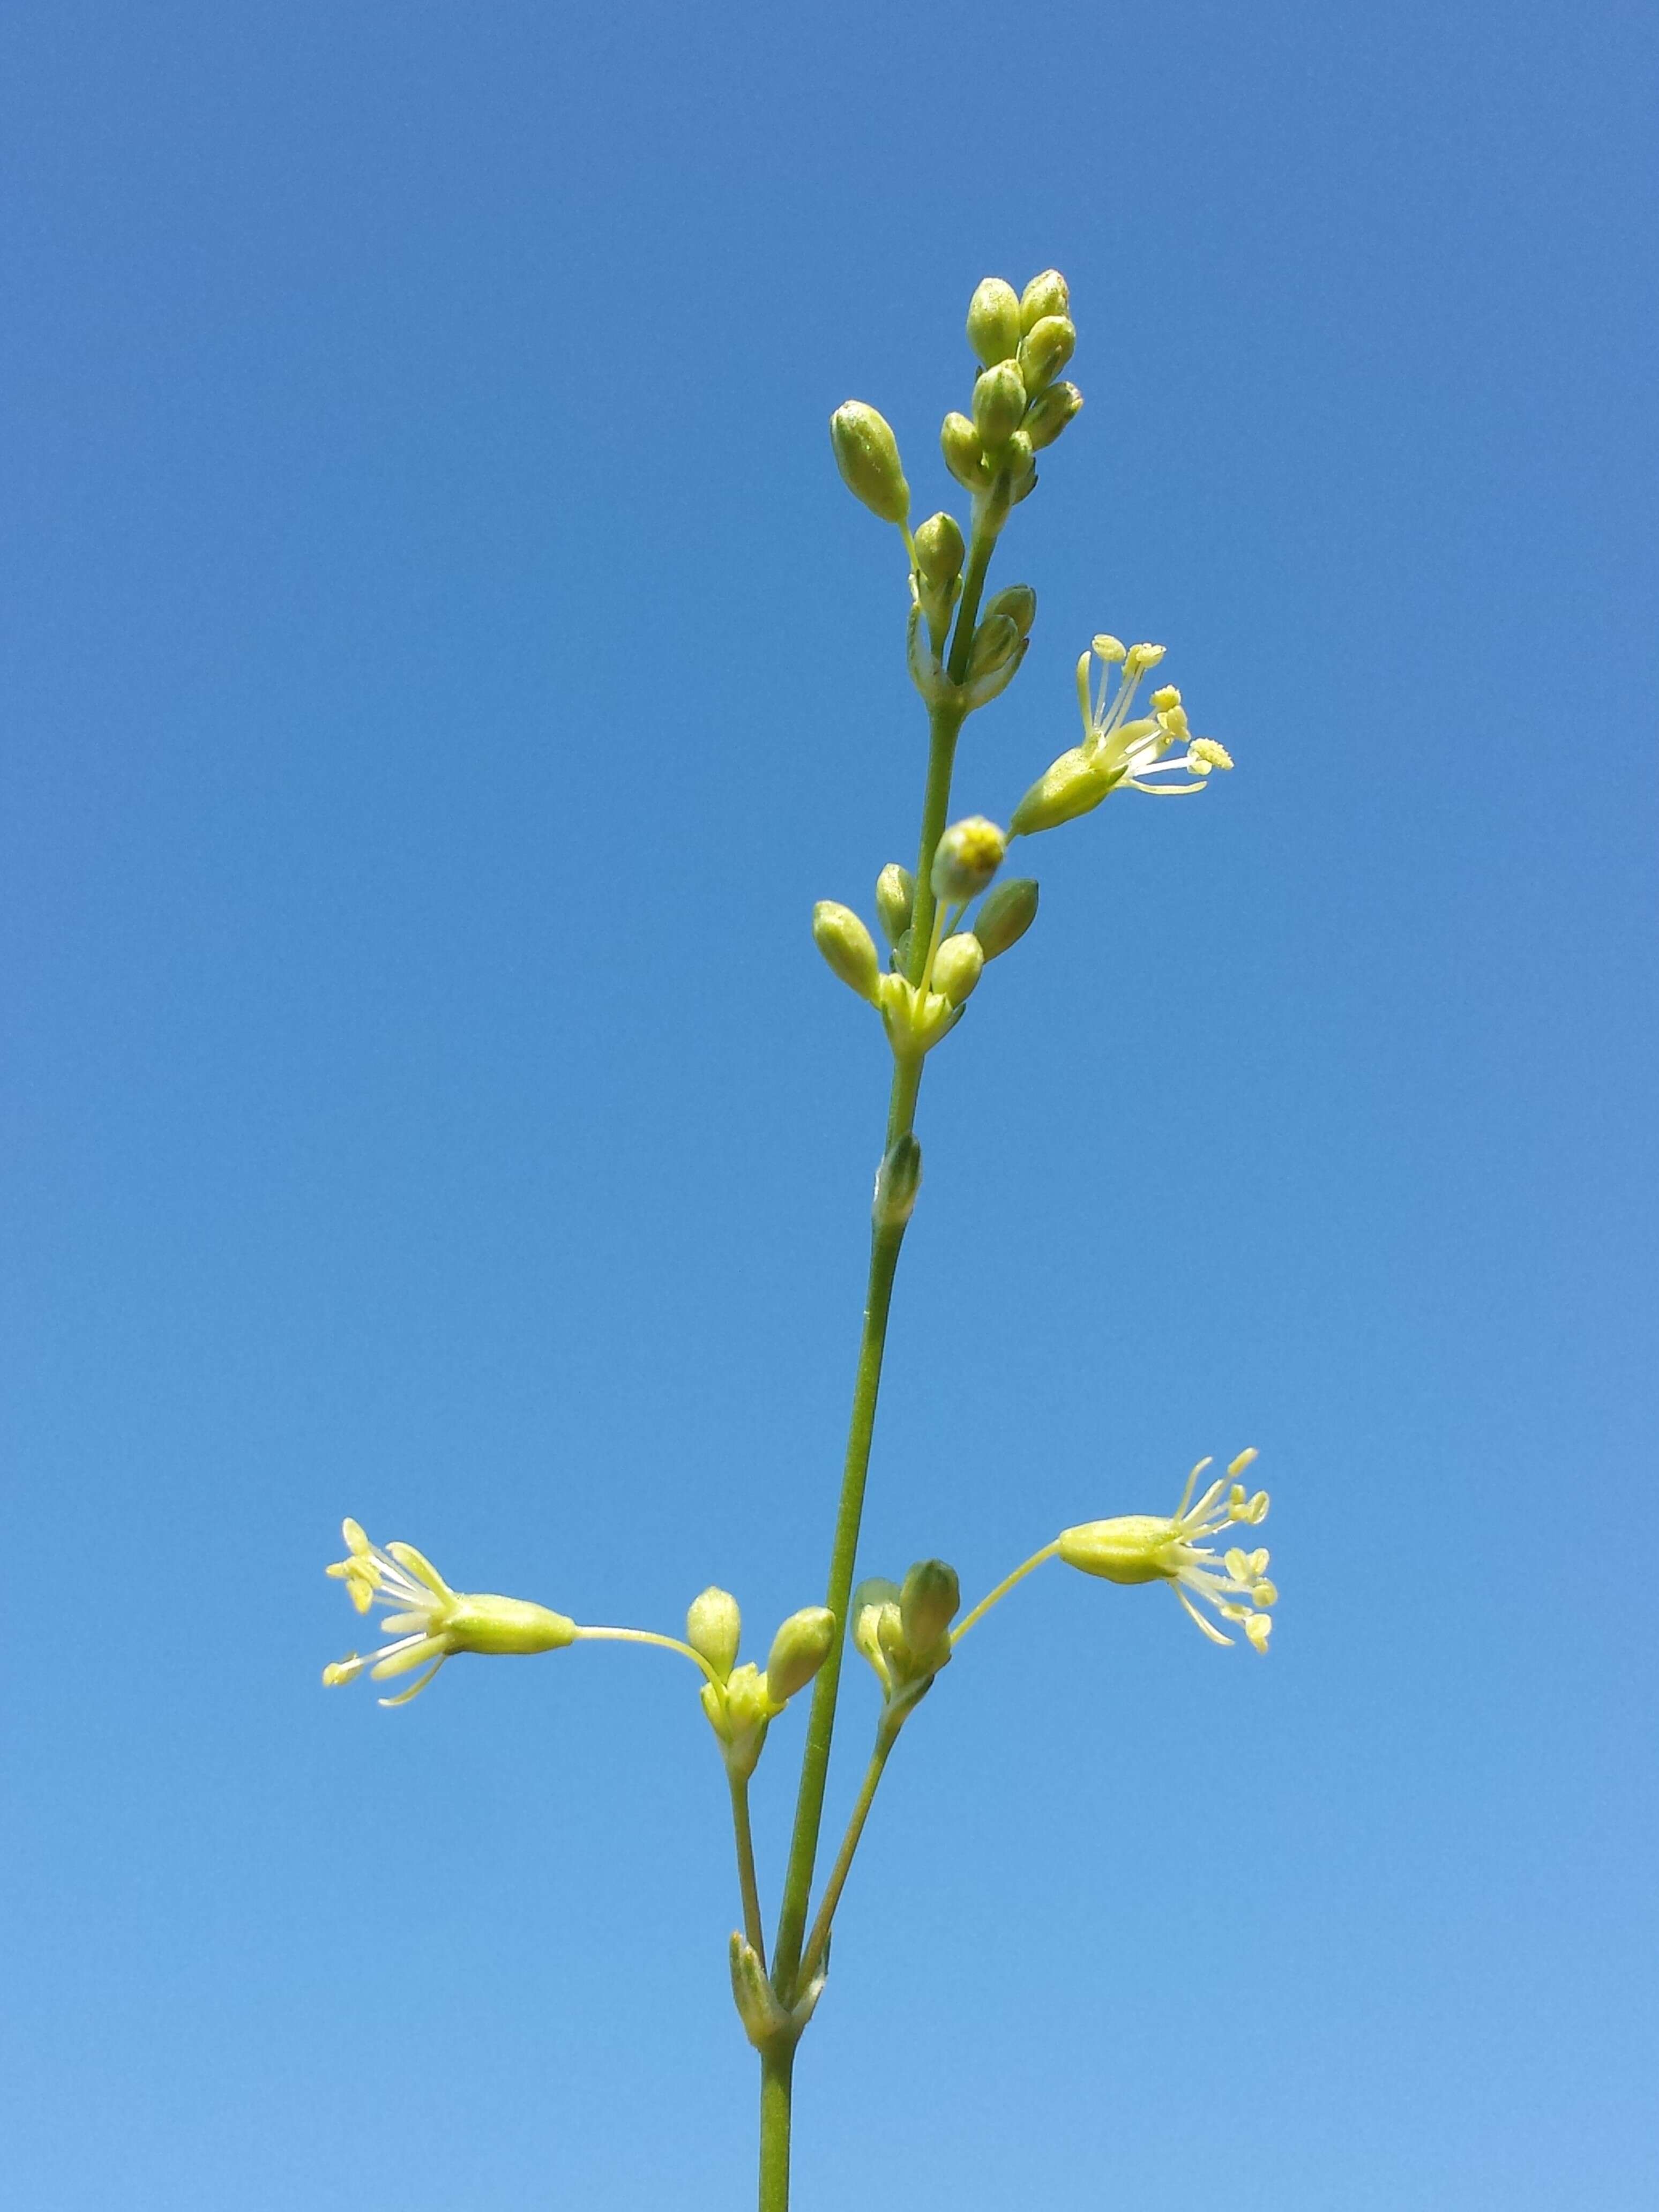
(439, 671)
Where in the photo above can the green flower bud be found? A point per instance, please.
(927, 1606)
(994, 323)
(1020, 462)
(999, 404)
(740, 1715)
(896, 900)
(1045, 349)
(1006, 914)
(1049, 412)
(966, 857)
(996, 642)
(901, 952)
(870, 1601)
(713, 1627)
(964, 456)
(898, 1179)
(848, 947)
(1047, 294)
(1074, 784)
(798, 1650)
(1019, 603)
(867, 455)
(957, 966)
(939, 548)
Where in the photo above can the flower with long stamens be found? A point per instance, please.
(1143, 1547)
(1119, 752)
(427, 1621)
(1128, 752)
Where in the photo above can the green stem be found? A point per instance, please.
(886, 1737)
(648, 1636)
(820, 1727)
(753, 1926)
(945, 724)
(777, 2067)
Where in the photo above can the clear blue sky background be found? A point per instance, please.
(440, 669)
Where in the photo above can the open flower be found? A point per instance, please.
(427, 1620)
(1143, 1547)
(1128, 752)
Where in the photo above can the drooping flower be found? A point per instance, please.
(427, 1620)
(1145, 1547)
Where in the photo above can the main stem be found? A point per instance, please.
(945, 723)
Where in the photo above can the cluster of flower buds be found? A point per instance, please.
(916, 1015)
(743, 1702)
(999, 646)
(1022, 342)
(1117, 750)
(903, 1630)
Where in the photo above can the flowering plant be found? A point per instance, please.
(963, 651)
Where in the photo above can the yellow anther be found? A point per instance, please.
(1211, 754)
(1111, 648)
(1259, 1628)
(1140, 657)
(1166, 698)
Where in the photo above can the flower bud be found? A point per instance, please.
(713, 1627)
(996, 642)
(966, 857)
(896, 900)
(964, 456)
(798, 1650)
(957, 966)
(994, 323)
(940, 549)
(928, 1605)
(1005, 916)
(1049, 412)
(999, 404)
(867, 455)
(1044, 351)
(848, 947)
(1074, 784)
(898, 1179)
(1020, 461)
(870, 1601)
(1019, 603)
(1047, 294)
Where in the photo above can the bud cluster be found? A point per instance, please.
(903, 1630)
(916, 1015)
(742, 1702)
(1022, 342)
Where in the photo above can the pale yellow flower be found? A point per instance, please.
(427, 1621)
(1145, 1547)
